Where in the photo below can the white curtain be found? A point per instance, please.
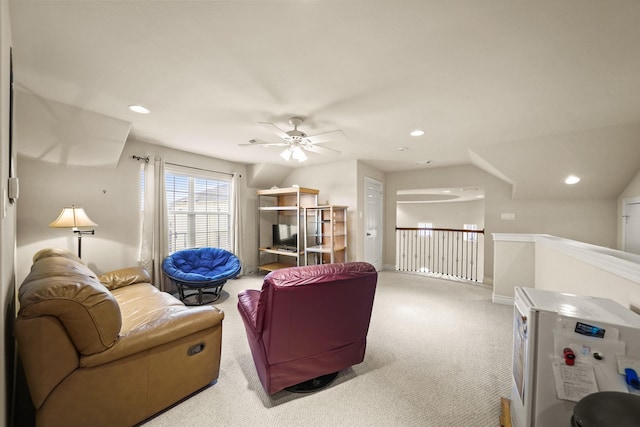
(236, 224)
(154, 247)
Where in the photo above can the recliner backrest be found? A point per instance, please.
(310, 310)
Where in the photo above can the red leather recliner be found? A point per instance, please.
(308, 322)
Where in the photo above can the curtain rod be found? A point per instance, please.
(138, 158)
(202, 169)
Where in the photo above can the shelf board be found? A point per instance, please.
(280, 252)
(324, 249)
(278, 208)
(326, 207)
(275, 266)
(291, 190)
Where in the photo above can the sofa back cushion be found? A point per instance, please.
(60, 285)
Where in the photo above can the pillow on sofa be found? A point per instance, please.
(124, 277)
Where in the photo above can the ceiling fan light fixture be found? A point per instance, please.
(297, 141)
(298, 154)
(286, 154)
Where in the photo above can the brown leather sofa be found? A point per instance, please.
(110, 350)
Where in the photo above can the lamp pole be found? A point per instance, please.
(80, 233)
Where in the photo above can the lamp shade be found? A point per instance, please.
(72, 217)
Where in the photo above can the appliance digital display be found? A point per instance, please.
(589, 330)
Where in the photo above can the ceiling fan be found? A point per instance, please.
(297, 141)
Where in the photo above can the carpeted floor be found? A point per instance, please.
(438, 354)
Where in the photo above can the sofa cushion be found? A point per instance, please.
(124, 277)
(151, 318)
(141, 304)
(60, 286)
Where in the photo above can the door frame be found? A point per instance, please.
(625, 207)
(379, 246)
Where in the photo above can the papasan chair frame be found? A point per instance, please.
(204, 270)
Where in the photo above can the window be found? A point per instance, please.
(198, 209)
(470, 237)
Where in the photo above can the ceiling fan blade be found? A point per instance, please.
(332, 135)
(320, 150)
(265, 143)
(275, 129)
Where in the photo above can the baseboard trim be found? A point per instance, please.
(501, 299)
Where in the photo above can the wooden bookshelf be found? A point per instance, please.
(325, 234)
(282, 206)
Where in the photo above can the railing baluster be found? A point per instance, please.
(450, 252)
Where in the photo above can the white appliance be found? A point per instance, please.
(601, 335)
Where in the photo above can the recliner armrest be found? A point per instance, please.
(248, 307)
(178, 322)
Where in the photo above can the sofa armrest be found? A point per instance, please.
(248, 307)
(47, 353)
(124, 277)
(178, 322)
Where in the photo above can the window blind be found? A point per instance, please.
(198, 209)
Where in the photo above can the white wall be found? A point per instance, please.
(337, 185)
(513, 265)
(591, 221)
(560, 272)
(110, 197)
(112, 202)
(7, 223)
(441, 215)
(563, 265)
(340, 183)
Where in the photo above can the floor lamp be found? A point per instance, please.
(73, 218)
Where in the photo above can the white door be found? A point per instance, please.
(373, 222)
(631, 224)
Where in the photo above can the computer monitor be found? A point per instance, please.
(285, 235)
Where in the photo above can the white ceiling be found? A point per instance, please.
(530, 91)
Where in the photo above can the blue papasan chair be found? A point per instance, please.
(204, 270)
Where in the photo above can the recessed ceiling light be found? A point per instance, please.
(572, 179)
(417, 132)
(139, 109)
(402, 148)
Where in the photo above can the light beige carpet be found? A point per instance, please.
(438, 354)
